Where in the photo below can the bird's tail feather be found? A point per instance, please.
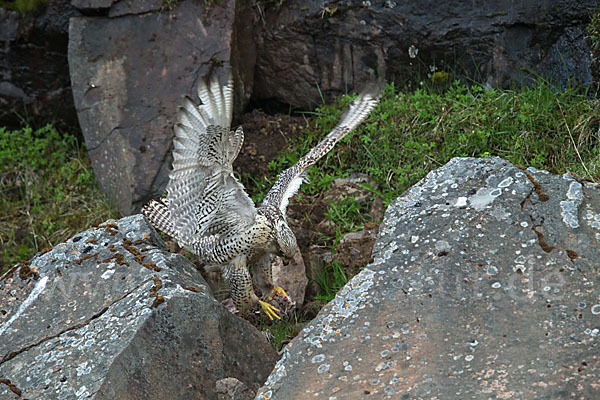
(217, 99)
(195, 142)
(157, 212)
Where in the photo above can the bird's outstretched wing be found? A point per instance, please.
(289, 181)
(203, 196)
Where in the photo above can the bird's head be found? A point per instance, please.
(286, 240)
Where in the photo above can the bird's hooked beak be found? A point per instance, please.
(286, 259)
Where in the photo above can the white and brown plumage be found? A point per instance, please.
(207, 210)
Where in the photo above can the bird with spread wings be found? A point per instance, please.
(206, 209)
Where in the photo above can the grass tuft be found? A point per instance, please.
(24, 7)
(331, 279)
(281, 331)
(47, 192)
(409, 134)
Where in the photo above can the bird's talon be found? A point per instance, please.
(270, 310)
(279, 291)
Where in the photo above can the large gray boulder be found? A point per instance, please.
(130, 68)
(310, 49)
(484, 284)
(110, 315)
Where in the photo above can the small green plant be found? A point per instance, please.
(348, 213)
(331, 279)
(170, 5)
(441, 78)
(282, 330)
(24, 6)
(47, 192)
(593, 30)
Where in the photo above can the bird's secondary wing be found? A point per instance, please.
(289, 181)
(204, 197)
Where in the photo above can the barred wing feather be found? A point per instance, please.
(203, 195)
(289, 181)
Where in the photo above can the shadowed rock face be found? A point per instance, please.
(307, 49)
(484, 283)
(110, 315)
(34, 72)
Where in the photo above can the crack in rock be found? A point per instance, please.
(13, 354)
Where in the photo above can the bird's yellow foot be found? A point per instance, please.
(270, 310)
(280, 292)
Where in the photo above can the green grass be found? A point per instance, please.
(593, 30)
(281, 331)
(24, 6)
(409, 134)
(348, 214)
(331, 279)
(47, 192)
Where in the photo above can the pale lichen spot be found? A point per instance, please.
(519, 267)
(483, 198)
(81, 391)
(592, 218)
(319, 358)
(575, 191)
(506, 182)
(323, 368)
(107, 274)
(461, 202)
(569, 208)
